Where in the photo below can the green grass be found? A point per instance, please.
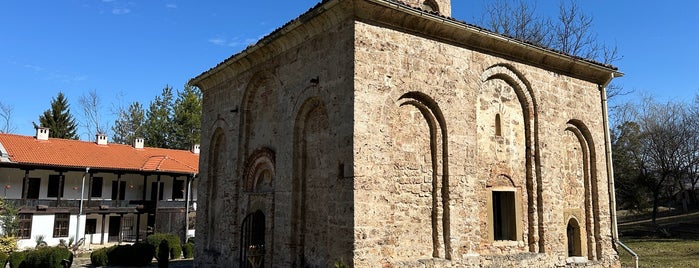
(658, 252)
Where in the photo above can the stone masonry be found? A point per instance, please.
(385, 134)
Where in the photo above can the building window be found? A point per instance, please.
(91, 226)
(121, 190)
(33, 187)
(55, 186)
(61, 224)
(96, 188)
(178, 189)
(504, 216)
(25, 226)
(430, 5)
(498, 126)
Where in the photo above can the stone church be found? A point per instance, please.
(382, 133)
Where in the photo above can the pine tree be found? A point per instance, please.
(129, 124)
(59, 120)
(186, 120)
(158, 128)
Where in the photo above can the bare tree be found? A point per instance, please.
(519, 22)
(92, 107)
(666, 143)
(6, 125)
(570, 32)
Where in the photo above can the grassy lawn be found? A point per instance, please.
(659, 252)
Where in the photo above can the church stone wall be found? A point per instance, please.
(343, 138)
(287, 128)
(404, 84)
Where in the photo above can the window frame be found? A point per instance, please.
(61, 225)
(24, 231)
(515, 224)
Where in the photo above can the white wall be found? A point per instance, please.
(43, 225)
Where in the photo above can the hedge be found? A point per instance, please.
(188, 250)
(99, 257)
(47, 257)
(16, 258)
(173, 241)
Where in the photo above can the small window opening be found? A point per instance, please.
(430, 6)
(498, 126)
(504, 218)
(573, 234)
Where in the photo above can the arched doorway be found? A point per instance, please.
(252, 242)
(573, 234)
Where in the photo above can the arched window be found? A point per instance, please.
(498, 126)
(573, 234)
(252, 240)
(430, 5)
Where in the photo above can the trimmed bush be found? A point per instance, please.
(3, 258)
(163, 249)
(173, 241)
(99, 257)
(188, 250)
(16, 258)
(47, 257)
(142, 254)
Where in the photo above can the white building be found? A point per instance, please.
(102, 192)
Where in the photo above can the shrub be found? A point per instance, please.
(3, 258)
(8, 244)
(163, 249)
(188, 250)
(47, 257)
(16, 258)
(99, 257)
(173, 241)
(142, 254)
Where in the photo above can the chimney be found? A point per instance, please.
(101, 139)
(138, 143)
(42, 133)
(195, 148)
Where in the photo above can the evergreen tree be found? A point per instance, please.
(158, 128)
(59, 120)
(186, 120)
(129, 124)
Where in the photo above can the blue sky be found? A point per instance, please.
(129, 50)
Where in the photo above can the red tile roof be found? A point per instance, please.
(26, 150)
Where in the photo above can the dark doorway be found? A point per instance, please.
(114, 228)
(33, 186)
(573, 235)
(156, 191)
(252, 242)
(121, 190)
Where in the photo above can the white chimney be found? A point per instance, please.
(138, 143)
(42, 133)
(195, 148)
(101, 139)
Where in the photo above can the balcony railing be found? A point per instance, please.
(95, 203)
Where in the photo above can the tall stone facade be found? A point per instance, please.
(374, 132)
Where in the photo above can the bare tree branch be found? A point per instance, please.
(6, 125)
(91, 105)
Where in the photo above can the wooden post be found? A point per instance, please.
(25, 182)
(104, 216)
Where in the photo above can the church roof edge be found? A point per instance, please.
(396, 4)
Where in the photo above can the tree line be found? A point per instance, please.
(655, 148)
(171, 120)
